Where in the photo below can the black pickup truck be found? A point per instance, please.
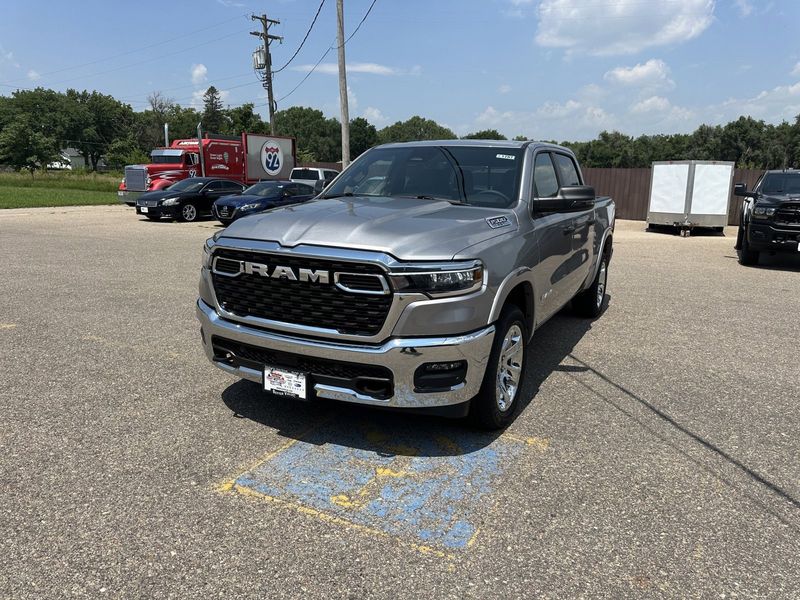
(770, 217)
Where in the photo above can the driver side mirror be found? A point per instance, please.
(740, 189)
(569, 198)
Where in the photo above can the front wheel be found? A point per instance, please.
(189, 212)
(591, 302)
(496, 404)
(747, 256)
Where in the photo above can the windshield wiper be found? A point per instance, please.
(345, 194)
(453, 202)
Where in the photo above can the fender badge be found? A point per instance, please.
(497, 222)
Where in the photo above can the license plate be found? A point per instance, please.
(143, 209)
(285, 383)
(120, 193)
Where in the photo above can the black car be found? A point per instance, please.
(770, 217)
(187, 199)
(259, 197)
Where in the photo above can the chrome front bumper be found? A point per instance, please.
(401, 356)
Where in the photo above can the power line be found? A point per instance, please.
(360, 23)
(303, 80)
(310, 27)
(314, 68)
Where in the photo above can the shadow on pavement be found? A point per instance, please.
(407, 434)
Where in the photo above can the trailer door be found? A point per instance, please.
(668, 188)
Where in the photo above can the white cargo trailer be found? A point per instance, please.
(690, 193)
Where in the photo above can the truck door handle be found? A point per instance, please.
(569, 229)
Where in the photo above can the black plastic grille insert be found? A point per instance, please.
(311, 304)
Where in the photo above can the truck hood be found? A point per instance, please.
(406, 228)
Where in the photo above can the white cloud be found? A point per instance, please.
(796, 71)
(368, 68)
(231, 3)
(652, 74)
(504, 89)
(199, 73)
(651, 104)
(374, 116)
(611, 27)
(781, 103)
(7, 56)
(352, 100)
(33, 75)
(744, 6)
(552, 120)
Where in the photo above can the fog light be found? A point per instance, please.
(440, 376)
(443, 366)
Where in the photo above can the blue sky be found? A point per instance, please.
(546, 69)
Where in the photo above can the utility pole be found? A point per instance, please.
(265, 62)
(343, 87)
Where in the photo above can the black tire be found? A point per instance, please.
(154, 217)
(189, 212)
(591, 302)
(747, 256)
(493, 407)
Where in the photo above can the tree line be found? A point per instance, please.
(36, 124)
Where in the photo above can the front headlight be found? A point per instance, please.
(170, 202)
(251, 206)
(207, 250)
(440, 279)
(762, 212)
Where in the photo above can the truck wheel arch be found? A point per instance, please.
(516, 289)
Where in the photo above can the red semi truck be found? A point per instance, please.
(247, 159)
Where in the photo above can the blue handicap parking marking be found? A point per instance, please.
(417, 485)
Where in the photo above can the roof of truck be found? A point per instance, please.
(473, 143)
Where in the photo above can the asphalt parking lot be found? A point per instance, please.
(658, 455)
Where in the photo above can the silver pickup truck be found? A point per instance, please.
(416, 280)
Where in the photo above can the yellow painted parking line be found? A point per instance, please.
(7, 325)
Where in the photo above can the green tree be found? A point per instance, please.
(415, 128)
(125, 151)
(363, 136)
(520, 138)
(24, 147)
(315, 134)
(100, 119)
(485, 134)
(244, 119)
(214, 119)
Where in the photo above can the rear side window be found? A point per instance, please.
(567, 172)
(304, 189)
(545, 184)
(311, 174)
(231, 186)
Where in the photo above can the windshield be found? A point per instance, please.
(781, 183)
(166, 160)
(478, 176)
(305, 174)
(187, 185)
(267, 189)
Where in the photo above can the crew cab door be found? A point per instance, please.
(554, 231)
(583, 220)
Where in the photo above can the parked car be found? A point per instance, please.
(770, 217)
(259, 197)
(424, 294)
(311, 175)
(187, 199)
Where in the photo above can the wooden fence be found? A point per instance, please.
(630, 189)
